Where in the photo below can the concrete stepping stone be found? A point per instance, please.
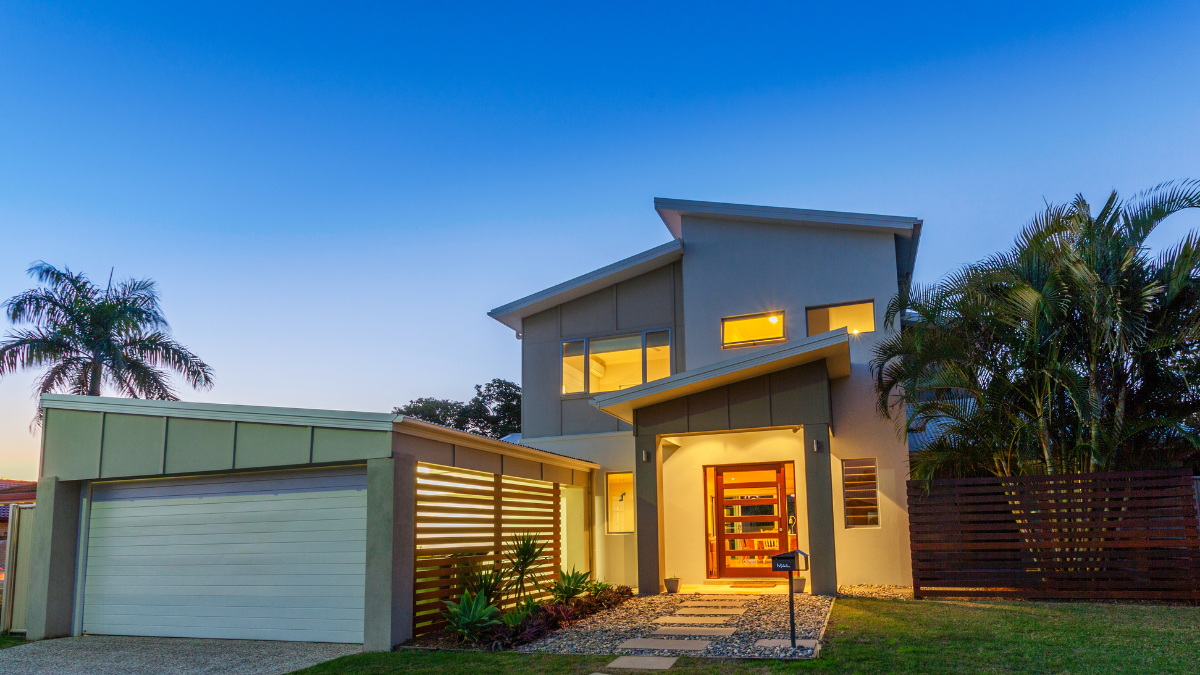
(688, 630)
(711, 610)
(691, 619)
(726, 596)
(644, 662)
(814, 645)
(644, 643)
(712, 603)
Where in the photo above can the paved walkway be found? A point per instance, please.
(746, 625)
(112, 655)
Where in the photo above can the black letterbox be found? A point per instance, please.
(789, 561)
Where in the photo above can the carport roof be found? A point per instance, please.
(833, 346)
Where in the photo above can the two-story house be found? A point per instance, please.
(721, 382)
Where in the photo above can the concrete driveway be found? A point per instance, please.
(110, 655)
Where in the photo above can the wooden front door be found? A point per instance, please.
(752, 518)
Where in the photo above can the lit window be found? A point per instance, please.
(658, 355)
(753, 329)
(615, 363)
(619, 489)
(855, 318)
(860, 493)
(572, 366)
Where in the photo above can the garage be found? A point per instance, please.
(274, 555)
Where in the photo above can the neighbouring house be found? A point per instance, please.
(721, 382)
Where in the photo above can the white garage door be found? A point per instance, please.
(265, 556)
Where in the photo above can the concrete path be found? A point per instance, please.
(112, 655)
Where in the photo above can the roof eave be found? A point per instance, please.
(672, 211)
(833, 346)
(511, 314)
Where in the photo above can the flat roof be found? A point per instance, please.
(330, 419)
(834, 346)
(511, 314)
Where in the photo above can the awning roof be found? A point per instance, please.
(833, 346)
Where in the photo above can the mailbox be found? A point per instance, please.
(789, 561)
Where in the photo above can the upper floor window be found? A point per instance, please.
(857, 317)
(597, 365)
(752, 329)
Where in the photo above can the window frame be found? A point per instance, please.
(865, 301)
(587, 353)
(845, 504)
(754, 343)
(608, 504)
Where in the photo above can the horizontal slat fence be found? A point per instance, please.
(467, 518)
(1130, 535)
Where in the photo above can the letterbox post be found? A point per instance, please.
(789, 561)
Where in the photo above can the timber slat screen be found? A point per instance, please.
(466, 518)
(1126, 535)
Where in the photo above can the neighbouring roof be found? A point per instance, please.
(833, 346)
(511, 314)
(906, 229)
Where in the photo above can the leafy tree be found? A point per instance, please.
(90, 337)
(1073, 351)
(494, 411)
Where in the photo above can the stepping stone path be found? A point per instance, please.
(653, 631)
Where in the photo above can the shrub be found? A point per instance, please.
(522, 556)
(472, 618)
(569, 585)
(486, 580)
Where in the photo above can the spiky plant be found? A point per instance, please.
(90, 337)
(522, 555)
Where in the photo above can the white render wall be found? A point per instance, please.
(616, 554)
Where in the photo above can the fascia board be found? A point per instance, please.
(437, 432)
(833, 346)
(672, 210)
(511, 314)
(334, 419)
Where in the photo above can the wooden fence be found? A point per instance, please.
(467, 518)
(1103, 535)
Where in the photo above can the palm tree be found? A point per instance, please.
(1073, 351)
(90, 337)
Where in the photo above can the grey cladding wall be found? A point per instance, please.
(652, 300)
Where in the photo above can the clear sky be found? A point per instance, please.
(331, 197)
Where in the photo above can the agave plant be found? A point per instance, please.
(569, 585)
(486, 580)
(522, 555)
(472, 617)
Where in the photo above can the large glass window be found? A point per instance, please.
(859, 490)
(858, 317)
(615, 362)
(619, 491)
(752, 329)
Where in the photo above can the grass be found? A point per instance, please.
(7, 641)
(894, 636)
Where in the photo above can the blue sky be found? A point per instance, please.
(331, 197)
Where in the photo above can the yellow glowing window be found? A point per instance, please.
(658, 355)
(620, 502)
(572, 367)
(753, 329)
(858, 317)
(615, 363)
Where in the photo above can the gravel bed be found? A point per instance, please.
(113, 655)
(766, 617)
(878, 592)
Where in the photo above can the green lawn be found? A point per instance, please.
(7, 640)
(892, 636)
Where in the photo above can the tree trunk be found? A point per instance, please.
(94, 384)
